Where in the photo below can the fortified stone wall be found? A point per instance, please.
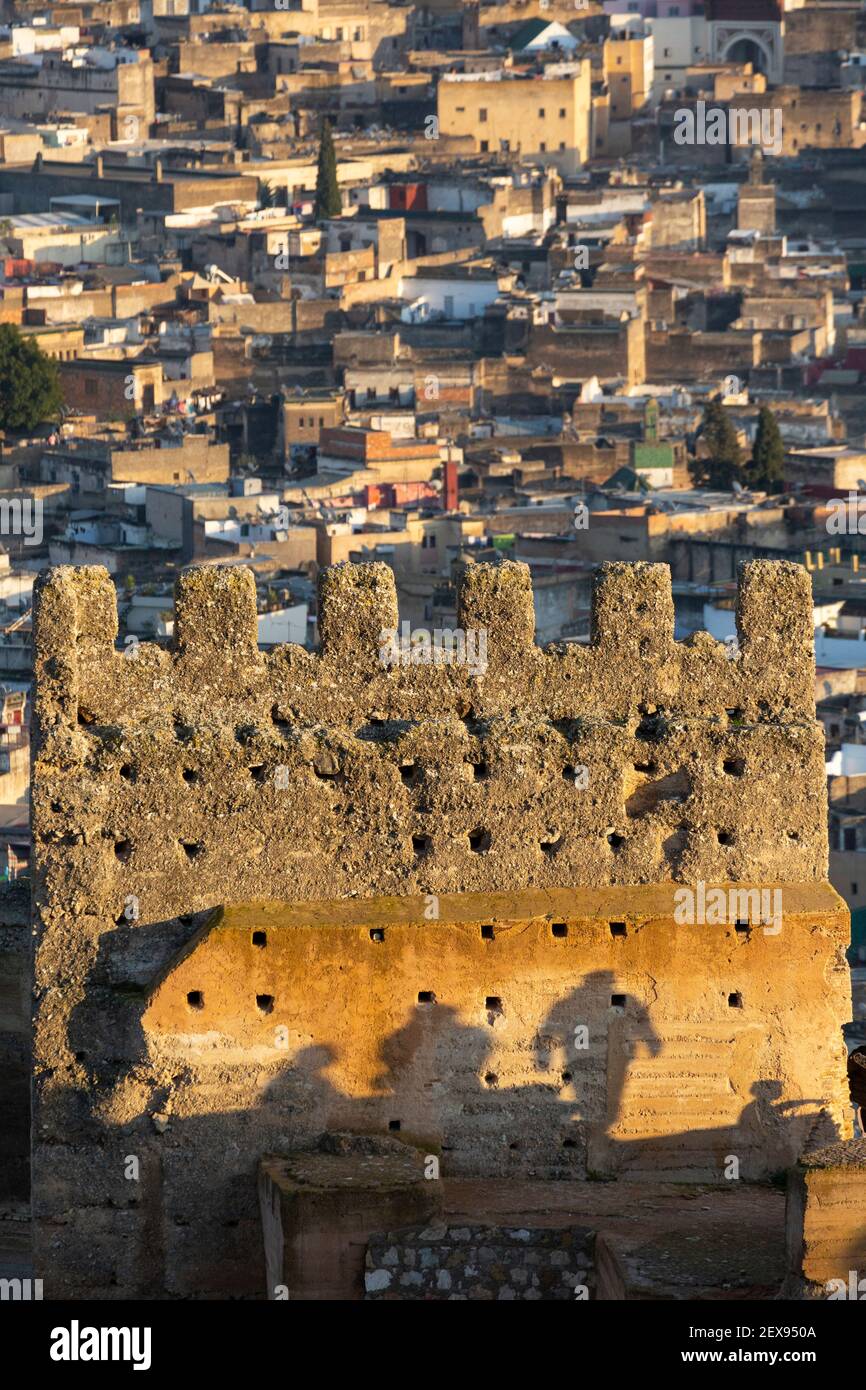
(559, 797)
(15, 992)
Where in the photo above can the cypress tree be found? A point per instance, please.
(768, 454)
(328, 200)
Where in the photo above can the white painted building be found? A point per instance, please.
(679, 44)
(456, 296)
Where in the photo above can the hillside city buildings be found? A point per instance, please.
(584, 282)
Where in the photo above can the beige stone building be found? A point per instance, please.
(89, 86)
(545, 118)
(628, 71)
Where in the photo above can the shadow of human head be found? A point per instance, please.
(302, 1086)
(766, 1091)
(592, 1006)
(433, 1044)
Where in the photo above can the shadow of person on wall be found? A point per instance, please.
(443, 1077)
(441, 1082)
(597, 1023)
(762, 1116)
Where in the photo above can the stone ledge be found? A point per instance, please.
(826, 1222)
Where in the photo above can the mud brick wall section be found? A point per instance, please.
(214, 774)
(15, 1060)
(826, 1224)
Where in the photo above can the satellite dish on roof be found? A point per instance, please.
(738, 489)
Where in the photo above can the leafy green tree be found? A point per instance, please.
(723, 461)
(767, 466)
(30, 390)
(328, 200)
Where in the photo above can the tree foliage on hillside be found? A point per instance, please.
(271, 195)
(767, 466)
(30, 391)
(722, 463)
(328, 200)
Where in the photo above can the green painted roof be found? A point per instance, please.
(653, 456)
(626, 477)
(528, 31)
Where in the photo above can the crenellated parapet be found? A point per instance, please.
(634, 760)
(633, 662)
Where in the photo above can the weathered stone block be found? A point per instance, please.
(319, 1211)
(826, 1223)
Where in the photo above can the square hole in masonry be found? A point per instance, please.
(195, 999)
(265, 1003)
(377, 934)
(426, 996)
(617, 929)
(735, 1000)
(617, 1001)
(559, 929)
(260, 939)
(493, 1005)
(487, 933)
